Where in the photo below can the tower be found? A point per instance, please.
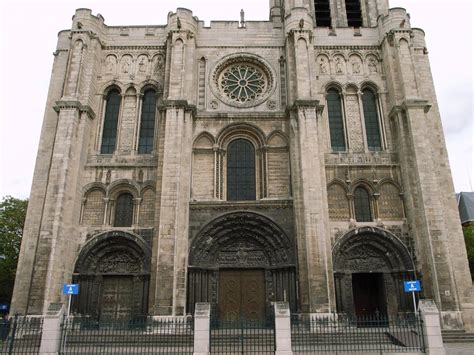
(241, 164)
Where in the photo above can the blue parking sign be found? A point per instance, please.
(412, 286)
(71, 289)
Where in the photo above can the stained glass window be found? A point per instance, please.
(147, 123)
(336, 122)
(241, 171)
(362, 205)
(124, 210)
(371, 117)
(109, 133)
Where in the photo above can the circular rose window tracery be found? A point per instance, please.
(242, 81)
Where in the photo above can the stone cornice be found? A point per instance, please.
(306, 103)
(179, 104)
(417, 103)
(74, 104)
(248, 116)
(133, 48)
(241, 205)
(350, 47)
(242, 47)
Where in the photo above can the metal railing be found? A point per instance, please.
(242, 336)
(339, 333)
(147, 335)
(21, 335)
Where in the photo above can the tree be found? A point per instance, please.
(12, 220)
(469, 238)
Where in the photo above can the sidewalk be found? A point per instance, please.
(459, 348)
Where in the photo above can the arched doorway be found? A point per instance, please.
(240, 263)
(113, 271)
(370, 265)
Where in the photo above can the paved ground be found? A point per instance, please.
(459, 348)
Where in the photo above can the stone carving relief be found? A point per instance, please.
(356, 139)
(339, 65)
(158, 65)
(338, 203)
(120, 262)
(390, 202)
(356, 64)
(241, 254)
(227, 242)
(110, 64)
(126, 64)
(271, 104)
(372, 64)
(142, 64)
(323, 64)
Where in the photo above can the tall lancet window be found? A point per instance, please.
(109, 132)
(322, 11)
(354, 13)
(147, 123)
(371, 118)
(336, 121)
(241, 171)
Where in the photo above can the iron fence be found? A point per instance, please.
(340, 333)
(242, 336)
(21, 335)
(170, 335)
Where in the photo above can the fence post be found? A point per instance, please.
(202, 328)
(282, 329)
(431, 327)
(51, 336)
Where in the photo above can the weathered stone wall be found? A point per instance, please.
(301, 184)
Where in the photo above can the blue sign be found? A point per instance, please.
(3, 307)
(412, 286)
(71, 289)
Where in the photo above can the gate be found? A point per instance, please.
(169, 335)
(243, 336)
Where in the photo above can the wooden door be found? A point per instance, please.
(117, 298)
(241, 294)
(369, 295)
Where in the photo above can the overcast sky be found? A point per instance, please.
(28, 35)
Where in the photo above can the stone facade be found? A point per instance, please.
(147, 208)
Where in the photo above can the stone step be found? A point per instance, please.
(457, 336)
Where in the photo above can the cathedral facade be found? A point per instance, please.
(299, 159)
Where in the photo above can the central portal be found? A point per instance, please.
(241, 294)
(241, 263)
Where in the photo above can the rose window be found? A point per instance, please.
(242, 83)
(242, 80)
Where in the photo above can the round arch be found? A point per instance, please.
(113, 271)
(241, 247)
(256, 240)
(370, 265)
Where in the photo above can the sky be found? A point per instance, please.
(28, 35)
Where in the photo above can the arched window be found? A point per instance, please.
(336, 122)
(362, 205)
(109, 133)
(371, 117)
(241, 171)
(124, 210)
(147, 123)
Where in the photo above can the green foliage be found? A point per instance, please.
(12, 219)
(469, 238)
